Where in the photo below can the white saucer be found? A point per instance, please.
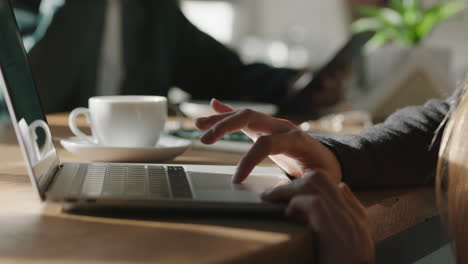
(196, 109)
(167, 149)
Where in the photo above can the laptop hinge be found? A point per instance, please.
(46, 180)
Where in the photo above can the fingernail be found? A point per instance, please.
(345, 188)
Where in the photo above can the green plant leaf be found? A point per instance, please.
(410, 4)
(378, 40)
(446, 10)
(437, 14)
(385, 15)
(412, 16)
(427, 24)
(397, 5)
(409, 37)
(404, 22)
(366, 24)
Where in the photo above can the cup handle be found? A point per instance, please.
(74, 128)
(48, 138)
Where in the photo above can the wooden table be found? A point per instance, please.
(31, 231)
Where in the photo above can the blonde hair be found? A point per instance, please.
(452, 178)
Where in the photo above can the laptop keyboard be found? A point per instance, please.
(132, 181)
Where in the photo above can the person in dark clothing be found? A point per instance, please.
(161, 49)
(402, 151)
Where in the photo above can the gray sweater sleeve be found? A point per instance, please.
(394, 153)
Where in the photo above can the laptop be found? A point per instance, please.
(112, 184)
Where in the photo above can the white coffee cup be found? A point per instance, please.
(122, 121)
(29, 135)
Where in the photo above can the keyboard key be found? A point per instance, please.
(157, 182)
(77, 183)
(179, 184)
(94, 180)
(114, 183)
(136, 181)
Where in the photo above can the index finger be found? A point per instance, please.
(250, 122)
(221, 108)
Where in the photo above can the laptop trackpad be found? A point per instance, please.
(218, 187)
(222, 182)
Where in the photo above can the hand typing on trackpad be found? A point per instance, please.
(217, 181)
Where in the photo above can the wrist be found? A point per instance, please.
(333, 165)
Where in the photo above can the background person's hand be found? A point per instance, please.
(289, 147)
(331, 88)
(311, 91)
(333, 213)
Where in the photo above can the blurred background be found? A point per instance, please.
(308, 33)
(295, 34)
(302, 33)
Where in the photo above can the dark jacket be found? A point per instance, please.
(401, 151)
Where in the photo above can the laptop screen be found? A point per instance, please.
(23, 100)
